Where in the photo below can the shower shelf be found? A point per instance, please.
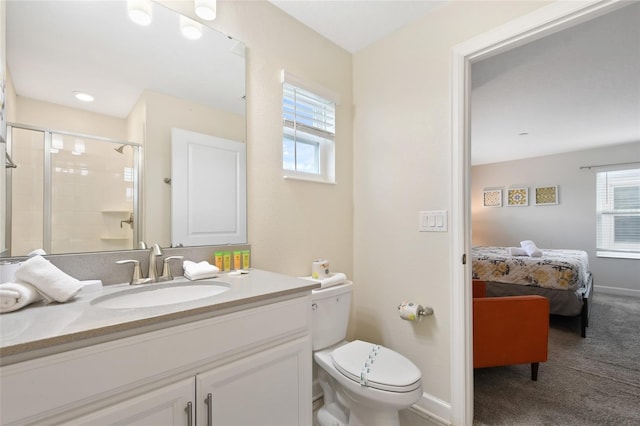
(115, 238)
(116, 211)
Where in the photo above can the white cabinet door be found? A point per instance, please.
(167, 406)
(208, 190)
(270, 388)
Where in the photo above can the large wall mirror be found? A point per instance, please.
(96, 176)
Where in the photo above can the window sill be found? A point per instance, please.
(308, 179)
(618, 255)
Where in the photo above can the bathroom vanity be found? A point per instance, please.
(238, 358)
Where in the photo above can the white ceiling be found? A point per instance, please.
(355, 24)
(574, 90)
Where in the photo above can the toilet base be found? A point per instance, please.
(329, 417)
(325, 418)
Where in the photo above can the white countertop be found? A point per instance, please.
(41, 329)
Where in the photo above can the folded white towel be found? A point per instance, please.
(334, 278)
(14, 296)
(530, 248)
(50, 281)
(517, 251)
(198, 271)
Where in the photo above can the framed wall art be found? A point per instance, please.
(518, 197)
(546, 195)
(492, 198)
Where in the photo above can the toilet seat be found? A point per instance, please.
(376, 366)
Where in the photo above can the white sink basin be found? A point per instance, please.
(150, 295)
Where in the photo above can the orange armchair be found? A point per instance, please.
(509, 330)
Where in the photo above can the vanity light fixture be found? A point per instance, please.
(190, 29)
(82, 96)
(139, 11)
(206, 9)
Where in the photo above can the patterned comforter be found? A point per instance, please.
(558, 269)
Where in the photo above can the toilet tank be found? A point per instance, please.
(330, 309)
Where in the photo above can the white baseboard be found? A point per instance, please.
(437, 411)
(616, 290)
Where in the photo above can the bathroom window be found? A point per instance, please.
(308, 127)
(618, 214)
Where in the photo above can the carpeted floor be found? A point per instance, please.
(592, 381)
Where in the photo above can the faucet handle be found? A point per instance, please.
(137, 273)
(166, 269)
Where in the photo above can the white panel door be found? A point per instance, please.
(208, 190)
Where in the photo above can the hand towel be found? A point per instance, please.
(198, 271)
(334, 278)
(517, 251)
(50, 281)
(14, 296)
(530, 248)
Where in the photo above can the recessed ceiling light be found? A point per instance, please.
(82, 96)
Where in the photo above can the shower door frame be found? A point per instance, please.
(47, 182)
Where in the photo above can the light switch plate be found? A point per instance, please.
(433, 221)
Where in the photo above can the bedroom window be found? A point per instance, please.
(308, 127)
(618, 214)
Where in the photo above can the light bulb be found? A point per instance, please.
(190, 29)
(139, 11)
(206, 9)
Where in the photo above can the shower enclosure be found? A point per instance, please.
(70, 192)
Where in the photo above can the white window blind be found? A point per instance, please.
(618, 214)
(309, 127)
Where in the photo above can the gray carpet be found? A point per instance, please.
(592, 381)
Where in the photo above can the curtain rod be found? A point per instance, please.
(609, 165)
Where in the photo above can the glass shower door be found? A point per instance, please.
(71, 193)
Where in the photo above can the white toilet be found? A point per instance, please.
(363, 384)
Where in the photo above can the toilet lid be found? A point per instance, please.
(376, 366)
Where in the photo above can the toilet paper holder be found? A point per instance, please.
(425, 311)
(415, 311)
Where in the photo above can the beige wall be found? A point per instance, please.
(402, 164)
(57, 117)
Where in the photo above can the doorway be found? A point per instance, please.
(543, 22)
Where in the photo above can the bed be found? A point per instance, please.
(562, 276)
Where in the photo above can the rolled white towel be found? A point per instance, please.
(530, 248)
(334, 278)
(517, 251)
(50, 281)
(14, 296)
(198, 271)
